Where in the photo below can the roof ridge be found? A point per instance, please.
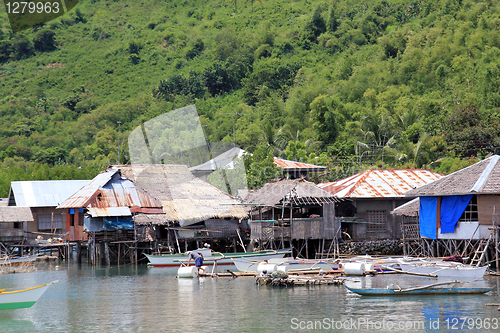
(485, 174)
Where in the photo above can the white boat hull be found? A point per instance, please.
(175, 260)
(459, 271)
(288, 264)
(22, 298)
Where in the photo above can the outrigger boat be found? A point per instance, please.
(441, 268)
(289, 264)
(24, 298)
(209, 257)
(431, 289)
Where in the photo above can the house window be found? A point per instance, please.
(470, 213)
(45, 222)
(376, 220)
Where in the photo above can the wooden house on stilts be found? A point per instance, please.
(294, 212)
(195, 212)
(104, 208)
(152, 208)
(457, 214)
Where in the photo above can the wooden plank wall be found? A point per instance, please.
(485, 206)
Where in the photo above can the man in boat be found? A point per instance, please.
(198, 260)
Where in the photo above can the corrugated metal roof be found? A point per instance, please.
(110, 211)
(293, 165)
(110, 189)
(86, 194)
(381, 183)
(44, 193)
(221, 161)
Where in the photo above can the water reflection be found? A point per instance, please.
(138, 299)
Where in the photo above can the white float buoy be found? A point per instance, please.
(354, 268)
(187, 272)
(282, 268)
(369, 267)
(263, 266)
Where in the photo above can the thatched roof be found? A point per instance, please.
(296, 191)
(150, 218)
(15, 214)
(411, 208)
(185, 198)
(480, 178)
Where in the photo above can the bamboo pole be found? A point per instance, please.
(428, 286)
(411, 273)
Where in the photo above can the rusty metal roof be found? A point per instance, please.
(293, 165)
(110, 189)
(109, 211)
(380, 183)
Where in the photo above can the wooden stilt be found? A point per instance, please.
(79, 252)
(131, 255)
(496, 247)
(307, 249)
(106, 253)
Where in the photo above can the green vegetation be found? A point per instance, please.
(350, 85)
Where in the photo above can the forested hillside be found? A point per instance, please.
(350, 85)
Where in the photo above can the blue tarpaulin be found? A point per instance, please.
(452, 207)
(118, 223)
(427, 217)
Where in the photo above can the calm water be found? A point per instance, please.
(141, 299)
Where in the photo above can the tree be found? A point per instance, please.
(6, 50)
(315, 27)
(218, 79)
(332, 20)
(325, 119)
(23, 48)
(44, 40)
(260, 167)
(468, 131)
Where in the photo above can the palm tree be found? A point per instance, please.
(276, 140)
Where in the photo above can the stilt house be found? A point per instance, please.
(461, 206)
(42, 197)
(293, 212)
(370, 197)
(194, 211)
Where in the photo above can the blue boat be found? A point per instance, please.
(431, 289)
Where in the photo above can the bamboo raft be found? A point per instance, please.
(285, 280)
